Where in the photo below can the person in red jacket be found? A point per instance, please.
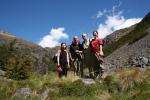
(97, 50)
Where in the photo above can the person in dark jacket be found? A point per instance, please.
(76, 56)
(63, 60)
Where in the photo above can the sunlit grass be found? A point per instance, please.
(125, 84)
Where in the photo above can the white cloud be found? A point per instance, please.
(106, 11)
(101, 13)
(53, 38)
(115, 21)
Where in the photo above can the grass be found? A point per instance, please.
(125, 84)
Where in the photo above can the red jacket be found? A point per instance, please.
(95, 45)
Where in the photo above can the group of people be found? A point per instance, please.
(89, 54)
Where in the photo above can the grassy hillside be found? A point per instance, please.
(126, 84)
(131, 37)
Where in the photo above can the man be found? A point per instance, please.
(97, 50)
(76, 56)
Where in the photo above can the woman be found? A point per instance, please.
(63, 60)
(97, 51)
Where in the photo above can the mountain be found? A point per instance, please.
(115, 36)
(121, 47)
(128, 46)
(40, 56)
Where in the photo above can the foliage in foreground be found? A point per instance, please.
(126, 84)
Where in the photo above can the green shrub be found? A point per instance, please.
(19, 67)
(4, 55)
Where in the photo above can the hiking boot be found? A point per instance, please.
(63, 78)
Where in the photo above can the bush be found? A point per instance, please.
(4, 55)
(19, 67)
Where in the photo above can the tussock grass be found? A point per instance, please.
(105, 96)
(129, 78)
(124, 84)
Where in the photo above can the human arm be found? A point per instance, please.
(71, 51)
(58, 56)
(101, 46)
(101, 50)
(68, 60)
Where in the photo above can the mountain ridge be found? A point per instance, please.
(23, 47)
(134, 44)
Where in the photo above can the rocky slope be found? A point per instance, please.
(131, 48)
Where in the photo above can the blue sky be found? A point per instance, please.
(49, 22)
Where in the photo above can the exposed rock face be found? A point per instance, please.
(136, 54)
(7, 34)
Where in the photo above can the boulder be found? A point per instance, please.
(2, 73)
(88, 81)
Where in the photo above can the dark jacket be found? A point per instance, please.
(73, 48)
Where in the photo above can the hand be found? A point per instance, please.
(72, 59)
(101, 53)
(68, 66)
(77, 51)
(58, 64)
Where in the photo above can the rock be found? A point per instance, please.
(138, 61)
(2, 73)
(28, 93)
(144, 61)
(23, 92)
(44, 95)
(2, 78)
(88, 81)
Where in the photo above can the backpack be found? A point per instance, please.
(54, 59)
